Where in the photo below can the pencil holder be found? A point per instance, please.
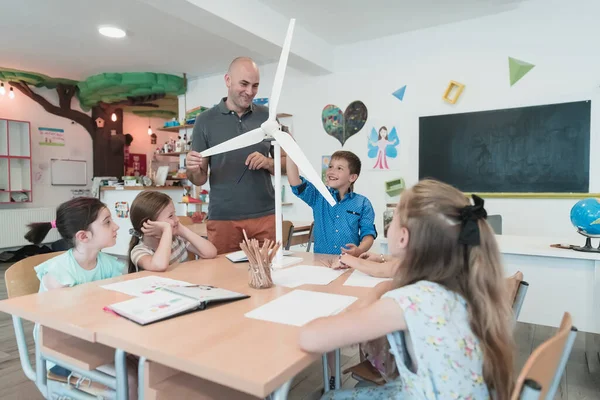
(260, 259)
(259, 276)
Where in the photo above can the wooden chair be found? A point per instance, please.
(185, 220)
(546, 364)
(540, 377)
(21, 280)
(517, 287)
(287, 231)
(311, 237)
(495, 222)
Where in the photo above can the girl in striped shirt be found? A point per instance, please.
(157, 238)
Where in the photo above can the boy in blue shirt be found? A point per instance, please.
(346, 228)
(349, 226)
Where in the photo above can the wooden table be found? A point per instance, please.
(218, 344)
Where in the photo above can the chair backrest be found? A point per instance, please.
(495, 222)
(311, 237)
(21, 278)
(513, 283)
(518, 289)
(287, 230)
(546, 364)
(185, 220)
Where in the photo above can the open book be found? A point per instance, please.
(170, 302)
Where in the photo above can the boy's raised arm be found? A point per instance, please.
(292, 172)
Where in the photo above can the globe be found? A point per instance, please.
(585, 216)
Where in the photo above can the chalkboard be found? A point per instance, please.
(529, 149)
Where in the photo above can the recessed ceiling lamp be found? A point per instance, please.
(112, 32)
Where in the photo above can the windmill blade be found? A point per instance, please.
(280, 73)
(247, 139)
(293, 150)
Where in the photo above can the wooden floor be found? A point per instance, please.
(577, 382)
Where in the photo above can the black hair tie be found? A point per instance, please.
(135, 233)
(469, 217)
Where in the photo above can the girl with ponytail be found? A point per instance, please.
(86, 225)
(449, 303)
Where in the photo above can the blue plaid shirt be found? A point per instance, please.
(349, 221)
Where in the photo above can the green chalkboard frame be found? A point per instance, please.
(536, 195)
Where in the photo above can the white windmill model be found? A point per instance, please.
(270, 130)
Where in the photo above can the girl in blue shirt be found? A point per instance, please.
(87, 226)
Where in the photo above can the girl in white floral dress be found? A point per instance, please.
(449, 307)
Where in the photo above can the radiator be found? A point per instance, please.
(13, 225)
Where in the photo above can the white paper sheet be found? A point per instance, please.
(143, 286)
(361, 279)
(300, 307)
(286, 261)
(240, 256)
(305, 275)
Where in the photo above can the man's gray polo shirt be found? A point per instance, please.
(254, 196)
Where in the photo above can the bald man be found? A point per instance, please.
(240, 199)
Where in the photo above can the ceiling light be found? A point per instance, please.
(11, 94)
(149, 130)
(2, 89)
(112, 32)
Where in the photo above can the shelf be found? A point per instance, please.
(81, 353)
(4, 174)
(18, 139)
(175, 128)
(3, 136)
(20, 174)
(284, 115)
(104, 188)
(171, 154)
(15, 160)
(21, 157)
(185, 386)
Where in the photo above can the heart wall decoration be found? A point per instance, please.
(344, 125)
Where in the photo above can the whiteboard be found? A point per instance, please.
(68, 172)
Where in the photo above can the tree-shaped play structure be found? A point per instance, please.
(142, 93)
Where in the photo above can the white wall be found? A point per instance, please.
(557, 36)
